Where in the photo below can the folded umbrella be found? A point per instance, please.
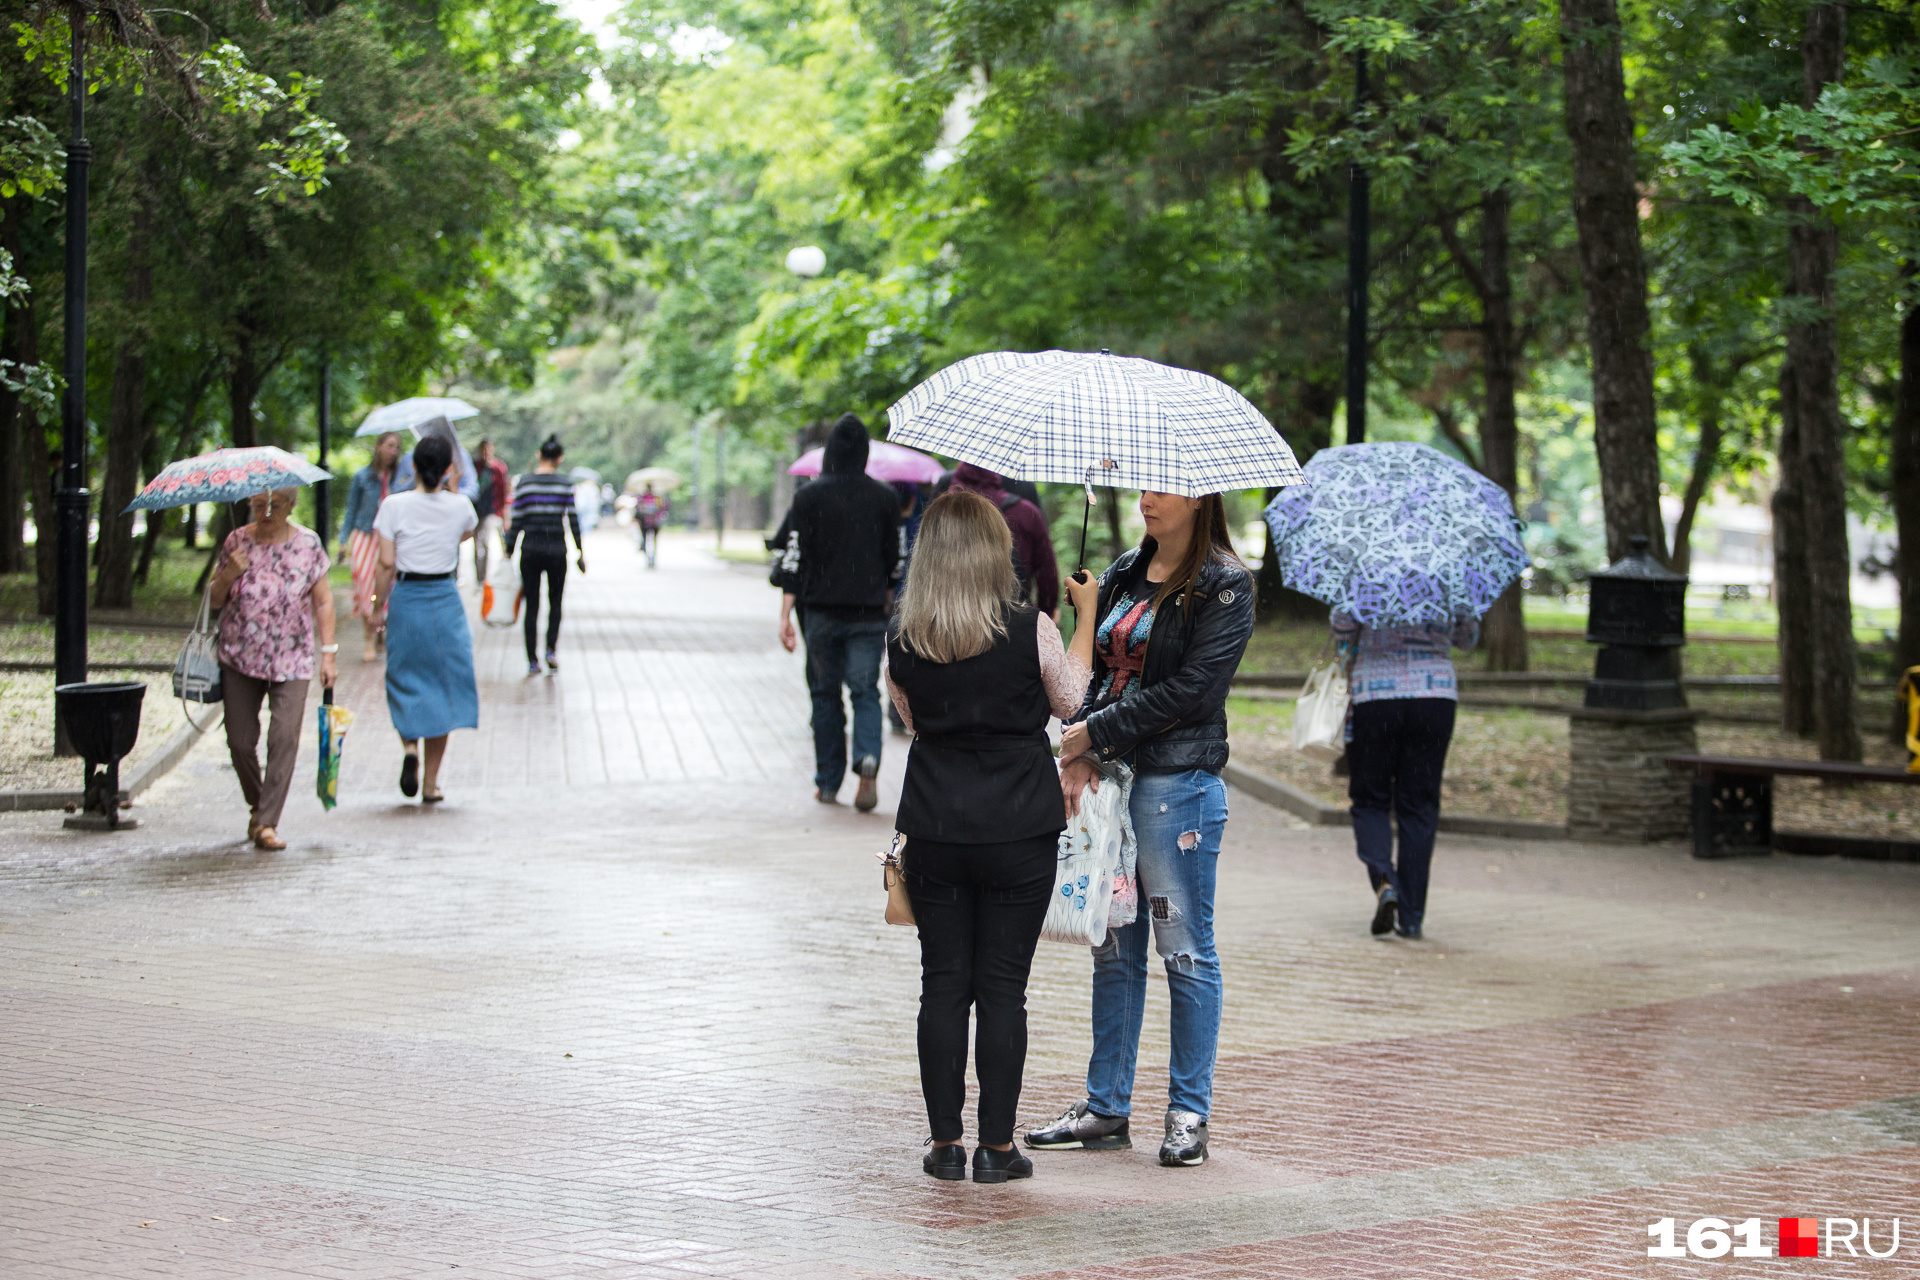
(225, 475)
(1397, 534)
(1094, 418)
(888, 462)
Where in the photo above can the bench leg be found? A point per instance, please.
(1732, 815)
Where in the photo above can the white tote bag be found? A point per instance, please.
(196, 672)
(1320, 715)
(1092, 862)
(500, 594)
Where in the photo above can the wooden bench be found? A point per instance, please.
(1733, 798)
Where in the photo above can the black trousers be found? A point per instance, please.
(1395, 761)
(553, 565)
(979, 908)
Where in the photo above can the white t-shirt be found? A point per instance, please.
(425, 528)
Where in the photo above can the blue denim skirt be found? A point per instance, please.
(430, 686)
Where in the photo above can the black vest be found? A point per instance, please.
(981, 770)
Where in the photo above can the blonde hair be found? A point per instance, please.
(960, 580)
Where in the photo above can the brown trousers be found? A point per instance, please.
(242, 695)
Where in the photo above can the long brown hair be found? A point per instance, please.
(959, 581)
(1211, 540)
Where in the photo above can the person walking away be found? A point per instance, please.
(650, 512)
(430, 686)
(543, 512)
(976, 673)
(489, 505)
(359, 546)
(270, 585)
(1404, 697)
(1161, 707)
(463, 477)
(837, 550)
(1034, 560)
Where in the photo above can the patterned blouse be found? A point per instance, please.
(266, 629)
(1122, 642)
(1402, 662)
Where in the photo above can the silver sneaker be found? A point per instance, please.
(1080, 1129)
(1186, 1141)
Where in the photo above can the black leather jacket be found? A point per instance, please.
(1177, 719)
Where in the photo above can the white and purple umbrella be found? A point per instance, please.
(225, 475)
(888, 462)
(1396, 534)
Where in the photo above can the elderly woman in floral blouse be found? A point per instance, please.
(270, 585)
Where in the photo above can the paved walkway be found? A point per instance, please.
(624, 1007)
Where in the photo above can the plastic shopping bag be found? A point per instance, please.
(1095, 865)
(1320, 715)
(500, 594)
(334, 722)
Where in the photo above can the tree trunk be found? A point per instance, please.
(1505, 634)
(1792, 593)
(243, 385)
(1813, 350)
(126, 422)
(1906, 496)
(1706, 454)
(13, 462)
(40, 478)
(1606, 209)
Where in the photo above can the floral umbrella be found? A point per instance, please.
(225, 475)
(1396, 534)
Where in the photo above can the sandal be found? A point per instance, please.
(432, 797)
(410, 775)
(267, 838)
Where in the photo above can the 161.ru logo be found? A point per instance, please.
(1798, 1238)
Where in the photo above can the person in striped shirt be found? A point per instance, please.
(543, 511)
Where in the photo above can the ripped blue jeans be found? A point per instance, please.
(1178, 819)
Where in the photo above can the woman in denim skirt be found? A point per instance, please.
(1174, 616)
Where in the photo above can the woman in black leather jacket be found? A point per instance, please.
(1174, 617)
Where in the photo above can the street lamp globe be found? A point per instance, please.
(807, 260)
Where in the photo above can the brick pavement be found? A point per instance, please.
(623, 1007)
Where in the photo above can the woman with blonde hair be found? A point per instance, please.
(975, 675)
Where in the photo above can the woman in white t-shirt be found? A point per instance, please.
(430, 686)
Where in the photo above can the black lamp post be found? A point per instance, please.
(1359, 231)
(70, 554)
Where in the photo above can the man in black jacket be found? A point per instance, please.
(837, 552)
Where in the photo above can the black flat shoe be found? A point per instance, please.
(948, 1163)
(410, 775)
(1406, 932)
(997, 1166)
(1383, 910)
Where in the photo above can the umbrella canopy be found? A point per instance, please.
(663, 480)
(579, 474)
(411, 415)
(885, 461)
(225, 475)
(1075, 417)
(1397, 534)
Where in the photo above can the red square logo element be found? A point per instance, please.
(1799, 1238)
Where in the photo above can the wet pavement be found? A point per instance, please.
(624, 1007)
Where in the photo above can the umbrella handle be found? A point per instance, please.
(1083, 537)
(326, 696)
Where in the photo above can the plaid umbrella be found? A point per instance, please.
(1076, 417)
(1397, 534)
(225, 475)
